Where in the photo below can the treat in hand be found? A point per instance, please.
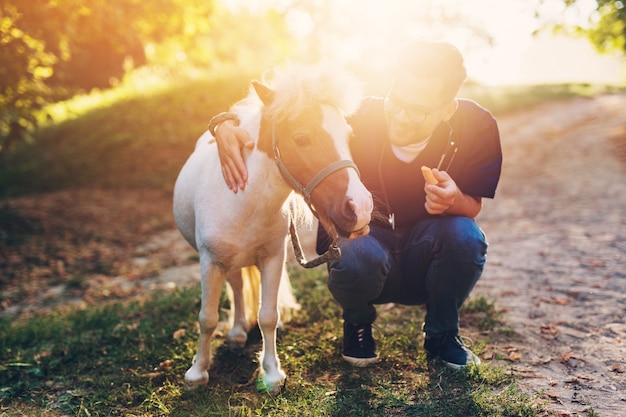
(429, 177)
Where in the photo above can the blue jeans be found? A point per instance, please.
(437, 263)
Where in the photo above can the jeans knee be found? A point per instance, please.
(362, 269)
(463, 237)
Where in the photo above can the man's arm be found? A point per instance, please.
(447, 197)
(231, 140)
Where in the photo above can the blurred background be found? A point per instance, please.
(101, 101)
(52, 51)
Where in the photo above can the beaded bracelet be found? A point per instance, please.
(222, 117)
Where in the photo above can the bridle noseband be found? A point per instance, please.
(333, 251)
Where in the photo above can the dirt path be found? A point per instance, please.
(556, 263)
(557, 257)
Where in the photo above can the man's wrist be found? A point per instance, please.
(222, 117)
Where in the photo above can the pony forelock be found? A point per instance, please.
(297, 87)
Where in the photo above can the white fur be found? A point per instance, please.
(232, 231)
(247, 230)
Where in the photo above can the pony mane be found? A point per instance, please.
(300, 86)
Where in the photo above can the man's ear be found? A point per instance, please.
(449, 109)
(265, 93)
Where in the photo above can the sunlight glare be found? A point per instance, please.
(490, 34)
(299, 23)
(495, 37)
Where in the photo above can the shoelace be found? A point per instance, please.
(465, 341)
(361, 332)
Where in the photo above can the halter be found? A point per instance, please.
(333, 251)
(306, 191)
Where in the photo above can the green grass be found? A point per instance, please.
(138, 140)
(507, 99)
(110, 360)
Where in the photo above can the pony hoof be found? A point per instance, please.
(236, 340)
(271, 387)
(195, 378)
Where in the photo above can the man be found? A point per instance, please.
(425, 248)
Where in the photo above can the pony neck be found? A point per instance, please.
(264, 176)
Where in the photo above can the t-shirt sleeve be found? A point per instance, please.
(480, 174)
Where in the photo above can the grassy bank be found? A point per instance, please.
(141, 138)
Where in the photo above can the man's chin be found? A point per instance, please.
(402, 138)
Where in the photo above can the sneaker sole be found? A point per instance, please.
(360, 362)
(473, 360)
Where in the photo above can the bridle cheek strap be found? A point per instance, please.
(306, 191)
(333, 251)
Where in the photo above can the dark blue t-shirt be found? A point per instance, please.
(398, 187)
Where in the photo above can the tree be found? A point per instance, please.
(605, 27)
(609, 32)
(52, 49)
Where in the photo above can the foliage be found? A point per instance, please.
(608, 33)
(153, 127)
(52, 50)
(55, 48)
(606, 28)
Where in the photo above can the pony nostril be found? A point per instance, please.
(356, 213)
(350, 209)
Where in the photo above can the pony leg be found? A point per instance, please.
(238, 334)
(212, 279)
(273, 375)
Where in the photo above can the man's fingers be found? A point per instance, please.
(233, 177)
(241, 172)
(435, 208)
(231, 183)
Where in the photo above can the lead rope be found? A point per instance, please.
(333, 252)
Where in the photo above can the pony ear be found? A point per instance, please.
(265, 93)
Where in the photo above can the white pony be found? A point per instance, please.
(301, 137)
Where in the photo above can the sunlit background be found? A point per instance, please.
(504, 42)
(53, 51)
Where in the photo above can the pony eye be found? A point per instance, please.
(302, 140)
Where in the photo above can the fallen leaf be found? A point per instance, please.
(569, 355)
(152, 375)
(514, 357)
(549, 330)
(554, 300)
(552, 394)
